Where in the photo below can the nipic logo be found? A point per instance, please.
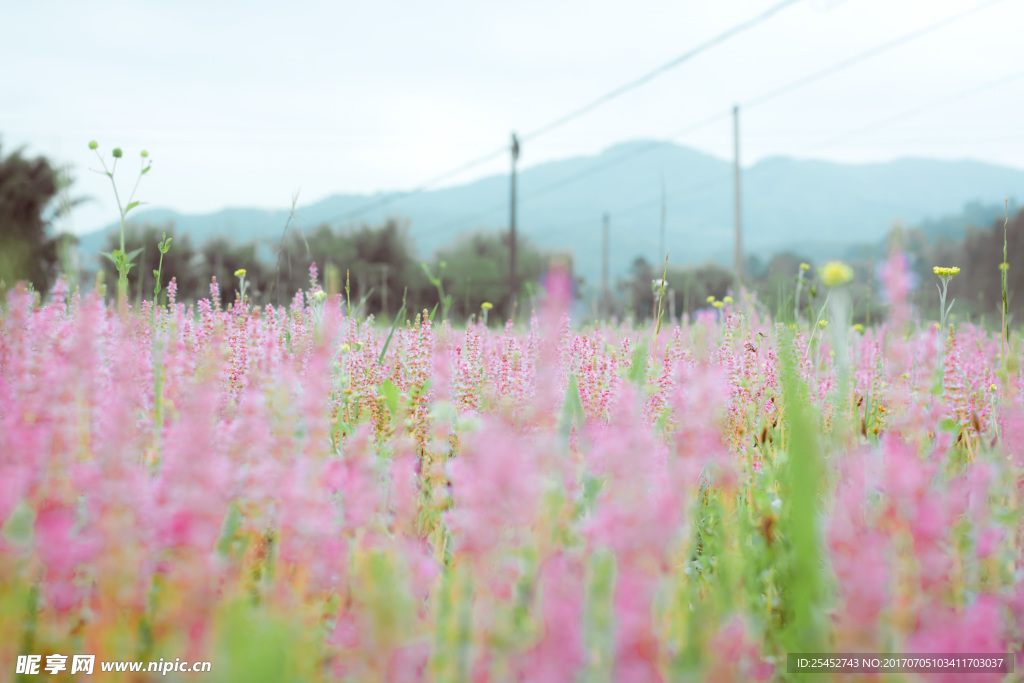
(32, 664)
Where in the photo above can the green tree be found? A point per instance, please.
(477, 270)
(692, 286)
(221, 258)
(776, 285)
(28, 188)
(978, 287)
(379, 260)
(637, 289)
(181, 262)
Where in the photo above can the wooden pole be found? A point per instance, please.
(512, 283)
(738, 254)
(605, 295)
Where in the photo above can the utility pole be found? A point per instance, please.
(512, 286)
(604, 268)
(738, 255)
(661, 241)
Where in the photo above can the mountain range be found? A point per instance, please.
(817, 208)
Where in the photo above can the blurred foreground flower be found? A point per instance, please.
(835, 273)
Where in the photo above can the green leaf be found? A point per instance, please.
(132, 254)
(232, 523)
(365, 298)
(394, 324)
(19, 525)
(146, 170)
(801, 485)
(638, 368)
(130, 207)
(390, 397)
(572, 409)
(949, 425)
(111, 256)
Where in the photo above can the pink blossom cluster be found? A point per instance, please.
(536, 503)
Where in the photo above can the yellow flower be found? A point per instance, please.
(718, 304)
(1004, 266)
(945, 273)
(805, 266)
(487, 305)
(711, 299)
(345, 348)
(240, 272)
(727, 299)
(835, 273)
(822, 324)
(858, 327)
(993, 387)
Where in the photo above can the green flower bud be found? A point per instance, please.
(145, 154)
(117, 152)
(93, 144)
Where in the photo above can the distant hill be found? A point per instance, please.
(819, 208)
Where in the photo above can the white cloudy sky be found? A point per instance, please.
(242, 103)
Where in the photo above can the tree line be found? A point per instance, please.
(377, 267)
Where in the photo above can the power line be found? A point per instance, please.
(914, 111)
(638, 206)
(576, 113)
(632, 208)
(909, 113)
(589, 171)
(667, 66)
(922, 109)
(760, 99)
(419, 189)
(772, 94)
(868, 54)
(615, 161)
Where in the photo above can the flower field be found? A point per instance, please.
(295, 494)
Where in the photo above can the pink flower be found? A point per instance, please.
(59, 545)
(735, 655)
(495, 485)
(559, 655)
(636, 645)
(989, 540)
(409, 663)
(980, 629)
